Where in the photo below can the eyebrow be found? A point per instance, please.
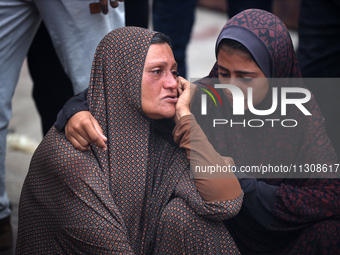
(238, 71)
(161, 63)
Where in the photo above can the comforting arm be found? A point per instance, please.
(72, 106)
(81, 128)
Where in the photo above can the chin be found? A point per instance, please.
(168, 116)
(169, 111)
(163, 115)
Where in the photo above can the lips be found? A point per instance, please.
(170, 98)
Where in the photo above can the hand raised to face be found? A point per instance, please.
(186, 91)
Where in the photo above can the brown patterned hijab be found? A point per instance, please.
(142, 167)
(98, 201)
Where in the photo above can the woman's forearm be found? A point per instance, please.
(212, 187)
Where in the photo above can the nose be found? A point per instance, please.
(238, 83)
(170, 81)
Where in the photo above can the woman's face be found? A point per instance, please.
(236, 68)
(159, 82)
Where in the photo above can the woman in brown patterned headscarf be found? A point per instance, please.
(136, 197)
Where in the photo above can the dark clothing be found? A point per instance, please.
(137, 13)
(73, 105)
(234, 7)
(319, 38)
(175, 19)
(319, 54)
(51, 86)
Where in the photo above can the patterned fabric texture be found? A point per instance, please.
(136, 197)
(305, 208)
